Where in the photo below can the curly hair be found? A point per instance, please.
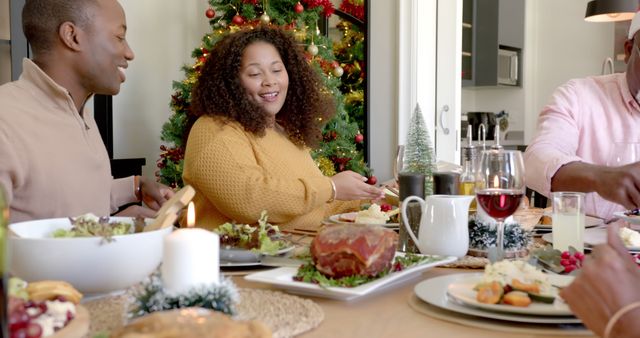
(41, 19)
(219, 92)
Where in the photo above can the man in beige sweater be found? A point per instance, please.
(53, 162)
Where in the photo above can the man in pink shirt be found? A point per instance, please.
(576, 137)
(52, 160)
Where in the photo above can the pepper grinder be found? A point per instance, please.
(411, 184)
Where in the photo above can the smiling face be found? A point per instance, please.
(108, 53)
(264, 76)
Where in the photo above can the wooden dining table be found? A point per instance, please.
(387, 313)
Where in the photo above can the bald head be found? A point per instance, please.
(41, 20)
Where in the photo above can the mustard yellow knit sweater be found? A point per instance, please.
(236, 175)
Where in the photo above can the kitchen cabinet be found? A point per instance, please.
(489, 26)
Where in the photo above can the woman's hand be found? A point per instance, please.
(154, 194)
(352, 186)
(608, 281)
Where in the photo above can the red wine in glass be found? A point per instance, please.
(499, 203)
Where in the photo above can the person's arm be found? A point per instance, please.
(608, 281)
(9, 161)
(556, 141)
(136, 189)
(617, 184)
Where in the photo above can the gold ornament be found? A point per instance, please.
(312, 49)
(265, 19)
(338, 71)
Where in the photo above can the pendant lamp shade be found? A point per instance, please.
(610, 10)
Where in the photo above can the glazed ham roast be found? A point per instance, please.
(347, 250)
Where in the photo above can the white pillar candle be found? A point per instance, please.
(190, 258)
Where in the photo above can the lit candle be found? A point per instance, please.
(191, 257)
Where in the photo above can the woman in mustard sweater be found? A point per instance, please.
(260, 107)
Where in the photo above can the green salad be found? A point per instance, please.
(92, 226)
(309, 274)
(264, 238)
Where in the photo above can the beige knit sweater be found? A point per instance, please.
(236, 175)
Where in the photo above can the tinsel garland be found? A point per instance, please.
(483, 236)
(150, 296)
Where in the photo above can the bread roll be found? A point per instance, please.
(191, 323)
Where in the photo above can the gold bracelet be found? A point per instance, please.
(616, 317)
(333, 192)
(137, 188)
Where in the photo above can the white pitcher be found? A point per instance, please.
(444, 228)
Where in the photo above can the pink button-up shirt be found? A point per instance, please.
(581, 123)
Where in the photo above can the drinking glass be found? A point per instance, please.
(624, 153)
(499, 189)
(397, 166)
(568, 220)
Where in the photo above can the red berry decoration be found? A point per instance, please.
(385, 207)
(237, 19)
(210, 13)
(372, 180)
(298, 8)
(359, 138)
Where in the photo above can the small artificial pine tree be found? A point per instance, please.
(340, 150)
(418, 153)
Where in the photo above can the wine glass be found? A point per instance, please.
(499, 189)
(398, 165)
(623, 153)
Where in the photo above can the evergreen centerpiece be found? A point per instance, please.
(418, 153)
(341, 149)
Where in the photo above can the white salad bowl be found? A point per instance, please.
(91, 264)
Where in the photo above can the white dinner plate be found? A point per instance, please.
(283, 278)
(462, 290)
(231, 254)
(592, 237)
(631, 219)
(434, 292)
(341, 219)
(589, 222)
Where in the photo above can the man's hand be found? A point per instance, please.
(154, 194)
(620, 185)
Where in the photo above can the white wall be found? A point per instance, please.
(382, 69)
(559, 45)
(162, 34)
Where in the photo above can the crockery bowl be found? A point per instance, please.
(91, 264)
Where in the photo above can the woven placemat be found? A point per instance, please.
(286, 315)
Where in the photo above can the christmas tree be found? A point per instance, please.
(418, 153)
(350, 53)
(342, 137)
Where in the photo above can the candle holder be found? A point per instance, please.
(150, 296)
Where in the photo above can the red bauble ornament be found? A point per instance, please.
(372, 180)
(359, 138)
(298, 8)
(210, 13)
(237, 19)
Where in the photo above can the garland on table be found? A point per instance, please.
(150, 296)
(483, 236)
